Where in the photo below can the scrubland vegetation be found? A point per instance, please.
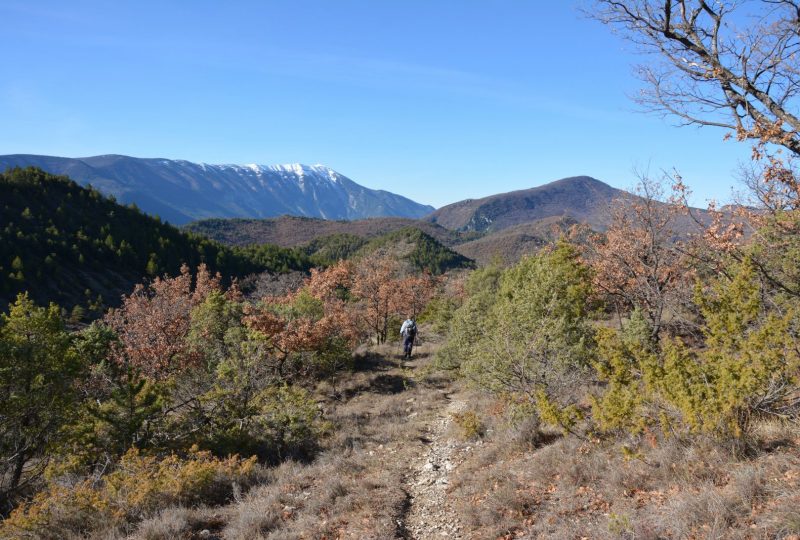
(155, 403)
(639, 382)
(634, 383)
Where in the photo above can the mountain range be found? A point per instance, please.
(181, 191)
(505, 225)
(293, 205)
(66, 243)
(582, 198)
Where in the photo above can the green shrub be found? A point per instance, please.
(470, 425)
(291, 420)
(439, 313)
(38, 371)
(534, 341)
(623, 361)
(747, 366)
(466, 326)
(138, 488)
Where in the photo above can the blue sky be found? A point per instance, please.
(438, 100)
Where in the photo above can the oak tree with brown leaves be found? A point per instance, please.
(638, 262)
(377, 288)
(764, 227)
(153, 322)
(312, 320)
(733, 65)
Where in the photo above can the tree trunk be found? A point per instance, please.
(19, 466)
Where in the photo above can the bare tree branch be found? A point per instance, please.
(728, 63)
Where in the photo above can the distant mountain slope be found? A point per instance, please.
(582, 198)
(68, 244)
(294, 231)
(421, 250)
(425, 245)
(512, 243)
(181, 191)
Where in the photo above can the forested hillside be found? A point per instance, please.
(421, 250)
(65, 243)
(425, 245)
(289, 231)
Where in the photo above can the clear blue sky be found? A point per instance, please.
(438, 100)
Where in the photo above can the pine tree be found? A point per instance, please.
(37, 369)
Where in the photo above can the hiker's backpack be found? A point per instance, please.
(411, 330)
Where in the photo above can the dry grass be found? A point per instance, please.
(334, 497)
(571, 488)
(512, 479)
(180, 522)
(355, 486)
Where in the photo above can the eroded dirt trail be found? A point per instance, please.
(386, 471)
(430, 514)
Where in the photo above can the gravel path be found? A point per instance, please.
(429, 514)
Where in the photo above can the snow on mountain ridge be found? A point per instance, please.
(299, 170)
(318, 171)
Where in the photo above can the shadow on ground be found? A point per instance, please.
(385, 384)
(372, 361)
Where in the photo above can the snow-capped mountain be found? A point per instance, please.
(181, 191)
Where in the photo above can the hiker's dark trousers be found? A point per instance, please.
(408, 342)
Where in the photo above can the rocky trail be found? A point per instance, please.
(388, 471)
(429, 513)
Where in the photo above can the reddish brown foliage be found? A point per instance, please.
(637, 262)
(416, 292)
(383, 292)
(380, 293)
(287, 329)
(326, 284)
(153, 322)
(378, 290)
(764, 227)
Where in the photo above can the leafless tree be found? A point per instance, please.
(733, 64)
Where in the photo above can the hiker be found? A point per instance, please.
(409, 332)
